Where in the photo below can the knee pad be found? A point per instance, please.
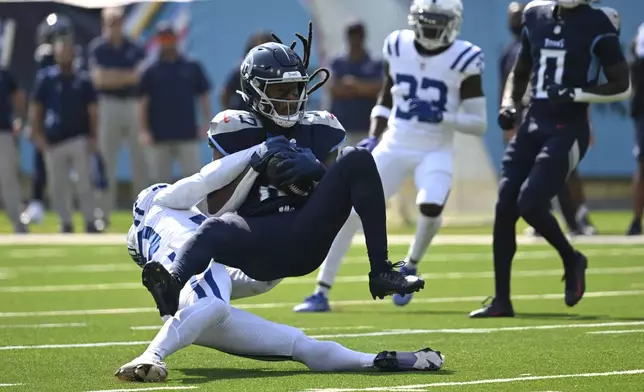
(529, 203)
(431, 210)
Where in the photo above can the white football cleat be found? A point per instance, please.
(34, 213)
(143, 370)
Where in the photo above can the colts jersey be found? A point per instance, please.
(161, 232)
(569, 52)
(420, 82)
(235, 130)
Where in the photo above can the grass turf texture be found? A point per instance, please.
(35, 279)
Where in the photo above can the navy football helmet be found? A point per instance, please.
(274, 81)
(54, 26)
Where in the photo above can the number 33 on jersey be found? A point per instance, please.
(426, 84)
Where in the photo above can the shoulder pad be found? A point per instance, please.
(612, 15)
(231, 121)
(469, 60)
(321, 117)
(391, 46)
(234, 130)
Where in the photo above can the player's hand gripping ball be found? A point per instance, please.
(275, 175)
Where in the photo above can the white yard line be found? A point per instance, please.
(176, 388)
(38, 253)
(486, 256)
(618, 332)
(38, 326)
(394, 239)
(10, 385)
(396, 332)
(419, 387)
(340, 279)
(336, 328)
(478, 298)
(478, 275)
(65, 269)
(478, 330)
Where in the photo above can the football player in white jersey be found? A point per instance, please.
(432, 89)
(205, 317)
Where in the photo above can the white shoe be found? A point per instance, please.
(143, 370)
(34, 213)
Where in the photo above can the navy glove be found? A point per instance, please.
(299, 166)
(369, 143)
(426, 111)
(507, 118)
(560, 94)
(268, 149)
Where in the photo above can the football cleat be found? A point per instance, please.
(496, 308)
(635, 228)
(34, 213)
(163, 286)
(390, 281)
(143, 370)
(576, 281)
(316, 303)
(402, 300)
(425, 359)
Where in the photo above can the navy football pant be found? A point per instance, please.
(295, 243)
(535, 168)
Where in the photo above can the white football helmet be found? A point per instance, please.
(132, 246)
(436, 23)
(573, 3)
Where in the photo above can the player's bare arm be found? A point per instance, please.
(380, 112)
(473, 117)
(519, 78)
(616, 88)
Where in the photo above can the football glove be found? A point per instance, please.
(426, 111)
(268, 149)
(369, 143)
(560, 94)
(507, 118)
(298, 167)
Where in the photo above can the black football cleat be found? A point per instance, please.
(390, 282)
(425, 359)
(576, 281)
(496, 308)
(163, 286)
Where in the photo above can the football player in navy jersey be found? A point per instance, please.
(565, 46)
(280, 231)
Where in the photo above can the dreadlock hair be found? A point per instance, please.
(307, 42)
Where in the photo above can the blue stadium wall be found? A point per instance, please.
(218, 31)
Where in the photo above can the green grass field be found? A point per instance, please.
(67, 316)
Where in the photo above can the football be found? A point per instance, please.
(299, 188)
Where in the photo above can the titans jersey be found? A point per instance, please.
(235, 130)
(569, 51)
(420, 82)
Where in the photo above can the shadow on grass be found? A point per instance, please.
(204, 375)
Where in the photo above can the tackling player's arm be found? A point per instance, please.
(380, 113)
(217, 199)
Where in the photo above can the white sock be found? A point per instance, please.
(340, 247)
(426, 229)
(186, 325)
